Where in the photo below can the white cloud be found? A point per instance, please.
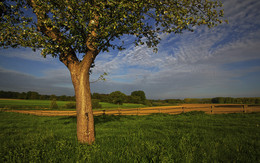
(51, 83)
(27, 54)
(193, 62)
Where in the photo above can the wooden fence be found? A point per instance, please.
(207, 108)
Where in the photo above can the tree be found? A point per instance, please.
(77, 31)
(138, 97)
(117, 97)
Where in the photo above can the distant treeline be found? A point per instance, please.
(34, 96)
(117, 97)
(216, 100)
(137, 97)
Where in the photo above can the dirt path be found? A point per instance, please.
(207, 108)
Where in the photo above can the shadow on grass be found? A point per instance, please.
(98, 119)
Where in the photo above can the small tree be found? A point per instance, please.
(54, 105)
(77, 31)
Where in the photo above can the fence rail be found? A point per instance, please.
(207, 108)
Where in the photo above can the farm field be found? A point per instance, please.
(45, 104)
(188, 137)
(29, 104)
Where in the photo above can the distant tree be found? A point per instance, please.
(228, 100)
(54, 105)
(218, 100)
(32, 95)
(138, 95)
(96, 104)
(257, 101)
(22, 95)
(62, 98)
(117, 97)
(77, 31)
(96, 96)
(52, 97)
(187, 100)
(136, 100)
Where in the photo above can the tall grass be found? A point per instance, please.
(189, 137)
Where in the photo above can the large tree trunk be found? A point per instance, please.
(85, 119)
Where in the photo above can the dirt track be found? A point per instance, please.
(207, 108)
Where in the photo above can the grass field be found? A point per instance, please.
(189, 137)
(29, 104)
(43, 104)
(106, 105)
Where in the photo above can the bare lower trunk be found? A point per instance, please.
(85, 119)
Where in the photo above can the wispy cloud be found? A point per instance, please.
(193, 62)
(53, 82)
(26, 53)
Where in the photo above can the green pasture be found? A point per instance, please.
(43, 104)
(190, 137)
(29, 104)
(106, 105)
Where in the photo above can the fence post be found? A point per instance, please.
(104, 112)
(137, 111)
(244, 108)
(212, 109)
(119, 112)
(160, 110)
(182, 109)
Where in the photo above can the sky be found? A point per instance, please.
(222, 61)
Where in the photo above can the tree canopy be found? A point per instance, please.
(59, 27)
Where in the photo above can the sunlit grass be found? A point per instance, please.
(190, 137)
(43, 104)
(107, 106)
(29, 104)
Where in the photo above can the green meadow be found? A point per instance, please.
(28, 104)
(43, 104)
(190, 137)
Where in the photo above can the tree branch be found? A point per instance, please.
(67, 55)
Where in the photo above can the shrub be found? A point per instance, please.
(54, 104)
(95, 104)
(71, 105)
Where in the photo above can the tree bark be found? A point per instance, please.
(85, 118)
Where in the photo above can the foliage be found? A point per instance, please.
(80, 26)
(95, 104)
(54, 104)
(138, 97)
(117, 97)
(154, 138)
(216, 100)
(70, 105)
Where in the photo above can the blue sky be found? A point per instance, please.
(222, 61)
